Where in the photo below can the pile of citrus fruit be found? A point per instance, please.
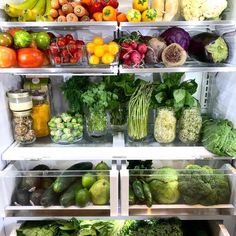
(100, 52)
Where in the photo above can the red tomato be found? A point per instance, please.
(7, 57)
(30, 57)
(12, 31)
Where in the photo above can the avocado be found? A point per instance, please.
(21, 197)
(35, 197)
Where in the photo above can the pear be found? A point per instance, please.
(100, 192)
(104, 173)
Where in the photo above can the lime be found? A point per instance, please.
(42, 40)
(88, 180)
(82, 197)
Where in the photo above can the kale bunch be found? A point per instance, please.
(204, 185)
(162, 227)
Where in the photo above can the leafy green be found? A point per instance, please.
(219, 137)
(204, 185)
(162, 227)
(174, 93)
(72, 89)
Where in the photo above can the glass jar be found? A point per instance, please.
(118, 117)
(19, 100)
(165, 125)
(40, 114)
(23, 127)
(190, 125)
(96, 123)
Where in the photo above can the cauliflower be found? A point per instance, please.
(202, 9)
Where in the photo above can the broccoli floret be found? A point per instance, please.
(204, 185)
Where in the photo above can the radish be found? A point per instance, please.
(124, 45)
(127, 62)
(133, 44)
(142, 48)
(136, 58)
(124, 55)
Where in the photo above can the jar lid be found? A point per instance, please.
(20, 93)
(38, 96)
(22, 113)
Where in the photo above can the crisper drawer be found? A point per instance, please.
(61, 188)
(178, 188)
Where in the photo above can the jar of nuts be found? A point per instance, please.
(23, 127)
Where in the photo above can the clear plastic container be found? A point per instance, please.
(190, 125)
(40, 114)
(165, 125)
(19, 100)
(23, 127)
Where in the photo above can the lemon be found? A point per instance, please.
(106, 47)
(90, 47)
(98, 40)
(99, 50)
(94, 60)
(107, 58)
(113, 48)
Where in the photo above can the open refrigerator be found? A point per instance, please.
(216, 94)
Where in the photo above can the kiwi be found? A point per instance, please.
(174, 55)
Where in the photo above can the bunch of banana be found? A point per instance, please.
(30, 10)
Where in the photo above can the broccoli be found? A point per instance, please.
(203, 185)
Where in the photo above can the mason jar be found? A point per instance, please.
(19, 100)
(165, 125)
(40, 114)
(190, 124)
(23, 127)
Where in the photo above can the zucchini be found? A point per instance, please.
(62, 183)
(49, 197)
(68, 197)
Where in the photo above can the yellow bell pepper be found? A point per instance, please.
(140, 5)
(134, 15)
(150, 15)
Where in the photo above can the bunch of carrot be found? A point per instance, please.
(68, 11)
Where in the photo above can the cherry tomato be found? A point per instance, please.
(30, 57)
(7, 57)
(54, 50)
(65, 52)
(61, 42)
(57, 60)
(73, 60)
(79, 42)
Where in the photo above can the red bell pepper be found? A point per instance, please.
(96, 7)
(112, 3)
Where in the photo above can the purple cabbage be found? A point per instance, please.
(177, 35)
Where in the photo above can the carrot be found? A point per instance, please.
(85, 18)
(60, 12)
(55, 4)
(74, 4)
(62, 2)
(86, 2)
(61, 19)
(72, 17)
(54, 13)
(97, 16)
(121, 17)
(67, 8)
(80, 11)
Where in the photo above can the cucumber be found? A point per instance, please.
(49, 197)
(62, 183)
(68, 197)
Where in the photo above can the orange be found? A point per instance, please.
(94, 60)
(99, 50)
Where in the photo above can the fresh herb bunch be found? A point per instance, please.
(72, 89)
(97, 98)
(174, 93)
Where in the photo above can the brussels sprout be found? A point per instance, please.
(66, 117)
(52, 124)
(60, 126)
(58, 120)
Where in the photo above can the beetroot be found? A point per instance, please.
(142, 48)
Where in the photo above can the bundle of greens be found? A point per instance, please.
(138, 109)
(123, 86)
(204, 185)
(162, 227)
(219, 137)
(72, 89)
(174, 93)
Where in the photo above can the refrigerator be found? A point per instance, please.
(216, 95)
